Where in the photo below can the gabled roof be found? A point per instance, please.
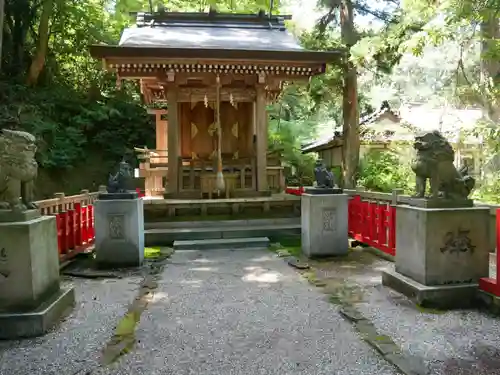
(212, 35)
(386, 125)
(183, 30)
(384, 112)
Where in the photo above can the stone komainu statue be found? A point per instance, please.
(434, 162)
(121, 182)
(18, 170)
(324, 178)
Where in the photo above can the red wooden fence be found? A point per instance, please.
(492, 284)
(74, 221)
(294, 190)
(369, 222)
(373, 223)
(75, 230)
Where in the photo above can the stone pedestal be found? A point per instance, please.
(324, 224)
(441, 253)
(31, 300)
(119, 232)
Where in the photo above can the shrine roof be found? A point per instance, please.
(212, 35)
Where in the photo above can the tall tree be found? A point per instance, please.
(2, 7)
(38, 60)
(350, 128)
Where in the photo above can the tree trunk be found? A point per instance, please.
(2, 9)
(490, 66)
(38, 61)
(350, 131)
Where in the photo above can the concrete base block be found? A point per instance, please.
(119, 232)
(446, 246)
(29, 263)
(438, 296)
(39, 321)
(324, 225)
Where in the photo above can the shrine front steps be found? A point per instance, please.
(223, 244)
(165, 233)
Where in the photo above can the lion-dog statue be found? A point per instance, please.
(18, 170)
(434, 162)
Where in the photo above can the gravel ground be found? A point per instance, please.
(452, 343)
(243, 312)
(77, 342)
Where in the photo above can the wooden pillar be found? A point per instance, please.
(161, 135)
(156, 181)
(261, 138)
(173, 141)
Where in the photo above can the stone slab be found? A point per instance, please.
(119, 232)
(442, 296)
(114, 196)
(440, 203)
(39, 321)
(223, 243)
(166, 236)
(324, 225)
(442, 246)
(8, 216)
(322, 191)
(220, 223)
(29, 263)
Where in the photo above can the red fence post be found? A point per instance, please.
(85, 232)
(357, 217)
(382, 224)
(78, 225)
(350, 220)
(71, 229)
(91, 223)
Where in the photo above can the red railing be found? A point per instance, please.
(75, 230)
(74, 221)
(294, 190)
(489, 284)
(373, 223)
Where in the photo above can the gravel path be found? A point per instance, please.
(462, 342)
(454, 343)
(243, 312)
(77, 342)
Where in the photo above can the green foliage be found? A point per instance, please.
(382, 170)
(70, 125)
(489, 191)
(290, 125)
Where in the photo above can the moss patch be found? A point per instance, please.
(429, 310)
(123, 339)
(291, 244)
(152, 252)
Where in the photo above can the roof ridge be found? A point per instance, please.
(212, 19)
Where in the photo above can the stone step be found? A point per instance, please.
(223, 244)
(165, 236)
(221, 223)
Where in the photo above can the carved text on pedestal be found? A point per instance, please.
(116, 226)
(329, 220)
(458, 242)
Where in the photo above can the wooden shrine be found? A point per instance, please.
(215, 73)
